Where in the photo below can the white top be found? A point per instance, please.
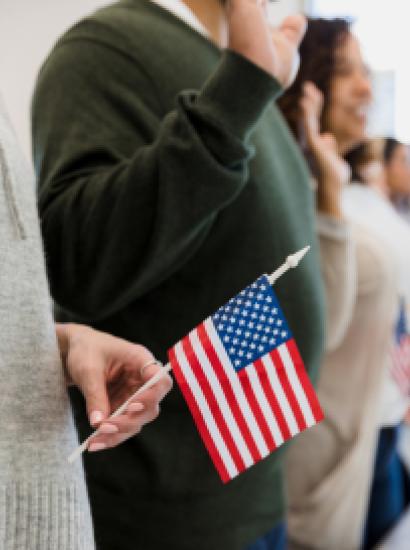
(369, 208)
(181, 10)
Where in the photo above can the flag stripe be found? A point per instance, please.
(267, 387)
(209, 340)
(214, 393)
(278, 390)
(296, 385)
(256, 442)
(250, 396)
(203, 416)
(306, 384)
(274, 436)
(287, 387)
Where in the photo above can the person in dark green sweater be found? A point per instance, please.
(168, 181)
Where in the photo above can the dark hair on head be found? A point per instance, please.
(381, 149)
(317, 64)
(390, 146)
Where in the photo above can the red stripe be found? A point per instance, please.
(198, 418)
(206, 388)
(305, 381)
(287, 388)
(271, 397)
(227, 388)
(257, 411)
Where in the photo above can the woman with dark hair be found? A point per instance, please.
(329, 472)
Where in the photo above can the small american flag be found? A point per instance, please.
(244, 381)
(401, 353)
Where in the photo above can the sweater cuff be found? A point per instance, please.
(238, 93)
(331, 228)
(44, 514)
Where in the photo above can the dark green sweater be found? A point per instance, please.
(168, 182)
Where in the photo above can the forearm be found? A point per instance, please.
(150, 210)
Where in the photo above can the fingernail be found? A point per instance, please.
(136, 407)
(108, 429)
(96, 417)
(94, 447)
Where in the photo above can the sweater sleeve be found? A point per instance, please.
(339, 270)
(128, 194)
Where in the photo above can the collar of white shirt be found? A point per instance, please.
(181, 10)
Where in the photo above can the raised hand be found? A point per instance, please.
(275, 51)
(333, 172)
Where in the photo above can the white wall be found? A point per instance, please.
(28, 29)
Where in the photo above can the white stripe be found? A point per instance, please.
(236, 388)
(296, 385)
(264, 405)
(280, 394)
(205, 410)
(223, 404)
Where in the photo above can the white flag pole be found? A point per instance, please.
(291, 262)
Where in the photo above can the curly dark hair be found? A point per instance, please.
(317, 64)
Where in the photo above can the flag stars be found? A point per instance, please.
(238, 331)
(279, 323)
(235, 341)
(249, 356)
(283, 333)
(221, 326)
(232, 351)
(267, 330)
(260, 348)
(242, 322)
(226, 338)
(241, 353)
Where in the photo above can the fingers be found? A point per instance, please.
(145, 408)
(294, 28)
(92, 382)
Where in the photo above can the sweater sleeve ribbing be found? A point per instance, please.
(126, 196)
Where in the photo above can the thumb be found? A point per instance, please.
(92, 384)
(294, 28)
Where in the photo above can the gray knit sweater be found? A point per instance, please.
(43, 500)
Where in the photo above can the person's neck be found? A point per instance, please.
(211, 13)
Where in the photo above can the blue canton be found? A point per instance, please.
(251, 324)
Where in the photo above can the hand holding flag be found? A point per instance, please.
(243, 378)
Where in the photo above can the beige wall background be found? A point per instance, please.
(28, 29)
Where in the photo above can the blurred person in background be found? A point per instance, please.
(167, 182)
(397, 165)
(329, 472)
(378, 167)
